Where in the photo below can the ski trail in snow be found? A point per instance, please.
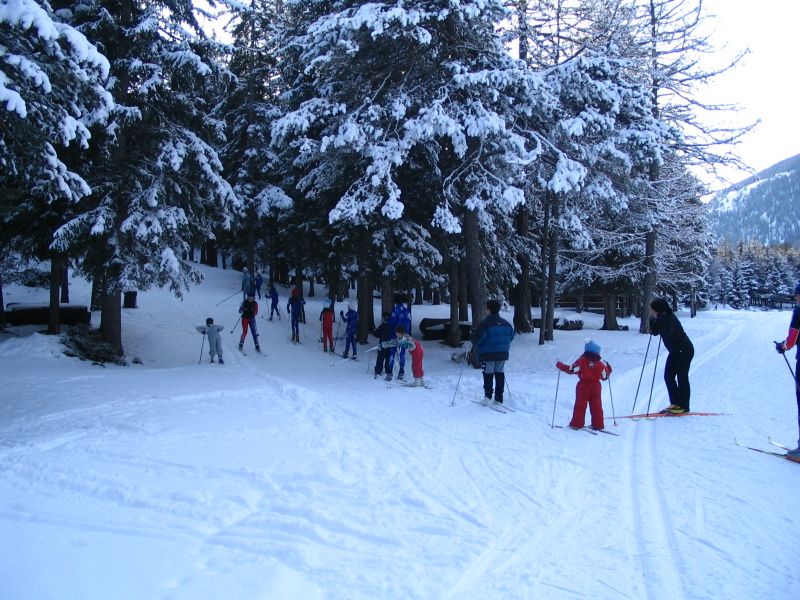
(655, 542)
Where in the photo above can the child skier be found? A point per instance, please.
(406, 342)
(214, 339)
(273, 296)
(295, 308)
(328, 318)
(351, 318)
(249, 310)
(384, 334)
(400, 316)
(590, 370)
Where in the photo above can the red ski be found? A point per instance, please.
(660, 414)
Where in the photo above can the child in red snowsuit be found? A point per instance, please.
(590, 369)
(416, 351)
(327, 317)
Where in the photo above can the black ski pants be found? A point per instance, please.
(383, 363)
(676, 376)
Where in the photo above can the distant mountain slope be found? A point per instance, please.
(765, 207)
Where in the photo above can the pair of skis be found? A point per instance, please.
(651, 416)
(770, 452)
(501, 408)
(589, 430)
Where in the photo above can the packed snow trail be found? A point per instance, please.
(285, 476)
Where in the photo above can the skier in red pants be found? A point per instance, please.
(590, 369)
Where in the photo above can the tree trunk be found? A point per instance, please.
(311, 288)
(54, 313)
(366, 316)
(387, 291)
(463, 296)
(2, 305)
(610, 313)
(453, 329)
(64, 282)
(543, 263)
(111, 320)
(649, 286)
(474, 267)
(98, 290)
(418, 295)
(552, 275)
(522, 293)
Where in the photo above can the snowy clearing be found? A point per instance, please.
(296, 475)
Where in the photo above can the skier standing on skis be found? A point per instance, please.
(249, 310)
(295, 309)
(788, 344)
(406, 342)
(214, 339)
(351, 318)
(663, 322)
(273, 297)
(400, 316)
(328, 317)
(492, 340)
(384, 334)
(590, 369)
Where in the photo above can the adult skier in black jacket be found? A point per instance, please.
(663, 322)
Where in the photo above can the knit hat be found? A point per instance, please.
(797, 289)
(591, 346)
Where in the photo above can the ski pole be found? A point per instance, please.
(202, 344)
(788, 366)
(237, 323)
(611, 394)
(229, 297)
(655, 368)
(460, 373)
(555, 401)
(644, 362)
(336, 337)
(508, 389)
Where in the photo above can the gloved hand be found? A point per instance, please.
(608, 368)
(779, 347)
(562, 367)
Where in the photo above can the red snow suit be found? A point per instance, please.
(590, 370)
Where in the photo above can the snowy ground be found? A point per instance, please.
(292, 475)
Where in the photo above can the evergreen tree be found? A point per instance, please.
(155, 175)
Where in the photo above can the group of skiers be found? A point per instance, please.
(491, 341)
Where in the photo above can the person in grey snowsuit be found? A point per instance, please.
(214, 340)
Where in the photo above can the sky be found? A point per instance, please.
(764, 84)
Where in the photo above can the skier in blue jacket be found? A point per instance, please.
(492, 341)
(351, 318)
(400, 316)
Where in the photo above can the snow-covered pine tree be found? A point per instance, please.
(155, 175)
(51, 94)
(424, 87)
(249, 106)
